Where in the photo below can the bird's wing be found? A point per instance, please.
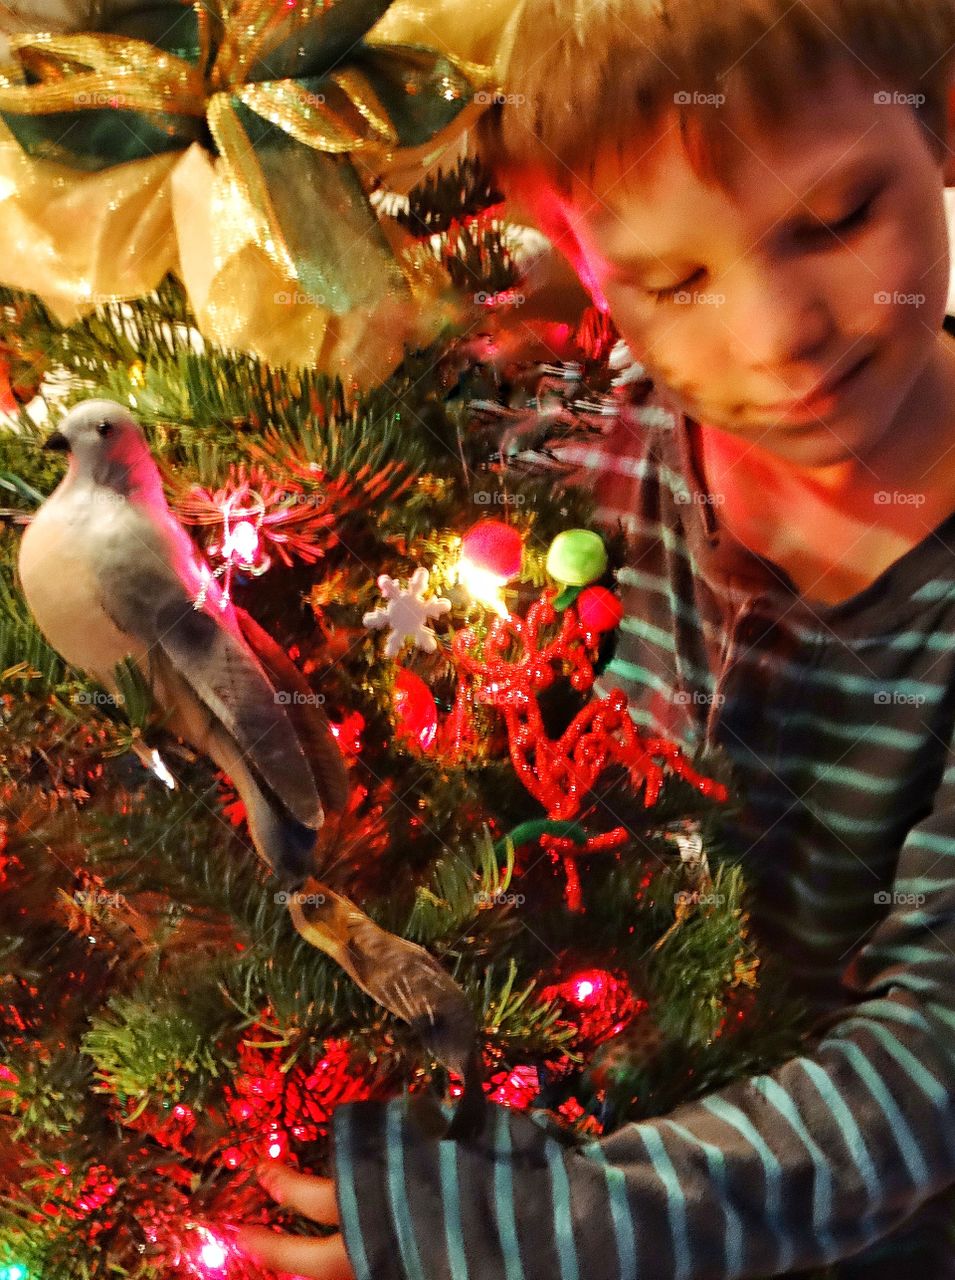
(305, 712)
(146, 598)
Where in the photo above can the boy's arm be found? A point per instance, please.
(804, 1165)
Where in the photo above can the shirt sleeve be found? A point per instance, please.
(805, 1165)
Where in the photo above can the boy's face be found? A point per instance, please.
(829, 248)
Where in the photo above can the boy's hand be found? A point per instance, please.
(314, 1198)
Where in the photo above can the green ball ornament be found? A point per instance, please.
(576, 557)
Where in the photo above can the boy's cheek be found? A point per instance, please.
(639, 320)
(909, 255)
(909, 279)
(678, 351)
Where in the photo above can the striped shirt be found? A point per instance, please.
(839, 721)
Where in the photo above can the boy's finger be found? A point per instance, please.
(303, 1192)
(319, 1259)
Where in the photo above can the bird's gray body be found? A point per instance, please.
(62, 557)
(108, 574)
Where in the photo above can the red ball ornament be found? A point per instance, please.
(599, 1001)
(494, 546)
(416, 713)
(599, 609)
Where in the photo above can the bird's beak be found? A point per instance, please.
(57, 441)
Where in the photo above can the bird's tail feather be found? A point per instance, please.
(301, 705)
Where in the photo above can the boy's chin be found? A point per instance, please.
(815, 444)
(818, 445)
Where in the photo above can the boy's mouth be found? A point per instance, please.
(819, 403)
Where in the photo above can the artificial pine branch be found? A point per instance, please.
(446, 197)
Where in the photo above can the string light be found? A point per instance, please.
(210, 1255)
(158, 766)
(482, 585)
(213, 1255)
(242, 543)
(241, 546)
(491, 554)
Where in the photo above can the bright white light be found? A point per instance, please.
(212, 1254)
(482, 585)
(160, 770)
(242, 543)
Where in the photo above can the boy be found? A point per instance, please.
(754, 189)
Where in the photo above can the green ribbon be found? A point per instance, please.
(533, 829)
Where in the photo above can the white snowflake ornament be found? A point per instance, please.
(407, 613)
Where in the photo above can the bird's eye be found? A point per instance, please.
(105, 428)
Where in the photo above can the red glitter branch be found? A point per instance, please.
(560, 772)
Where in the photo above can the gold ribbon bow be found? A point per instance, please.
(297, 153)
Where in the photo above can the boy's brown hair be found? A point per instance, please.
(588, 72)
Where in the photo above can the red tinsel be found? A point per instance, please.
(269, 1105)
(560, 772)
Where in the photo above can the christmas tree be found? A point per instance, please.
(401, 523)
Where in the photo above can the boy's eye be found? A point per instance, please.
(852, 220)
(814, 232)
(662, 295)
